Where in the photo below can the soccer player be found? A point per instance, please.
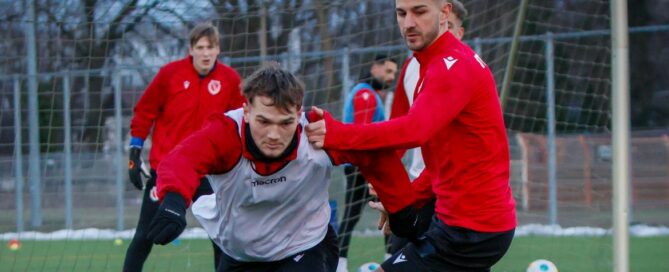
(176, 104)
(269, 210)
(363, 105)
(401, 103)
(457, 121)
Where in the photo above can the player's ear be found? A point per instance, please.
(247, 109)
(445, 9)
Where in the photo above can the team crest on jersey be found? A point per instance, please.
(186, 84)
(153, 194)
(214, 87)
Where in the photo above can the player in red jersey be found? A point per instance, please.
(176, 104)
(457, 121)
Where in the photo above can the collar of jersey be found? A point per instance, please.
(261, 164)
(435, 49)
(190, 61)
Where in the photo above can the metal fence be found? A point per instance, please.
(81, 187)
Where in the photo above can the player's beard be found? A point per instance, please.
(428, 37)
(378, 84)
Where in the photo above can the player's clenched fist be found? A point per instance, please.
(316, 128)
(170, 221)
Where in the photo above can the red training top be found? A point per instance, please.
(364, 106)
(457, 120)
(178, 101)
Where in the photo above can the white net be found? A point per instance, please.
(104, 53)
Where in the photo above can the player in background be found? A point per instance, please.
(173, 106)
(269, 210)
(363, 105)
(456, 119)
(401, 103)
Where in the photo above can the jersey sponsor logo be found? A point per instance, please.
(400, 259)
(480, 60)
(365, 95)
(214, 87)
(268, 181)
(450, 61)
(153, 194)
(186, 84)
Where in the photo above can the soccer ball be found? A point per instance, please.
(369, 267)
(14, 245)
(542, 265)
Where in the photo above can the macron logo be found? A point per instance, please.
(401, 258)
(449, 62)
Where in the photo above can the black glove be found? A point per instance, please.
(405, 223)
(135, 168)
(170, 220)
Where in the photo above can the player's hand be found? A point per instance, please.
(170, 220)
(316, 129)
(135, 167)
(383, 217)
(372, 192)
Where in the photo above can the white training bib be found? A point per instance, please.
(252, 217)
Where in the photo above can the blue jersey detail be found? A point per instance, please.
(379, 114)
(136, 142)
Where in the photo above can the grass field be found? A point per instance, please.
(568, 253)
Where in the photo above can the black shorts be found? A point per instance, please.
(427, 211)
(448, 248)
(320, 258)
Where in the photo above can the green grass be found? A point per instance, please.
(568, 253)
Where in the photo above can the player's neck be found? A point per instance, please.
(257, 155)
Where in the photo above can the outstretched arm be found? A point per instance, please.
(213, 149)
(385, 171)
(437, 104)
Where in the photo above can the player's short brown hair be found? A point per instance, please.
(280, 85)
(459, 10)
(204, 30)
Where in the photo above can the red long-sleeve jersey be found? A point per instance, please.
(178, 101)
(364, 106)
(457, 120)
(218, 147)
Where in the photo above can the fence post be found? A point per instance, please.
(118, 133)
(550, 113)
(33, 120)
(620, 128)
(524, 174)
(284, 60)
(345, 73)
(67, 150)
(18, 155)
(477, 46)
(587, 171)
(666, 144)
